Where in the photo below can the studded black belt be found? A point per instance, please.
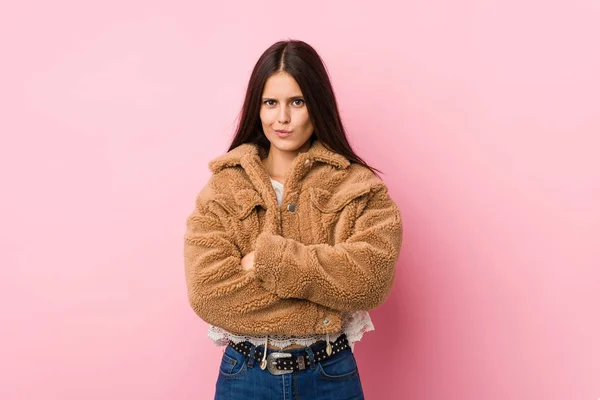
(281, 362)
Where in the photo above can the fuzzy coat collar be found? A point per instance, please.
(247, 151)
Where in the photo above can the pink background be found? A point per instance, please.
(484, 115)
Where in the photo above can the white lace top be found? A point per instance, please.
(354, 324)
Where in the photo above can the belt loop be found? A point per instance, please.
(251, 356)
(311, 357)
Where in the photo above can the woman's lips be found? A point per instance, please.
(283, 134)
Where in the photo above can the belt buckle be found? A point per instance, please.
(272, 360)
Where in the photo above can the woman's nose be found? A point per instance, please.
(283, 116)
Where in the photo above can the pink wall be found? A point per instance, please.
(485, 116)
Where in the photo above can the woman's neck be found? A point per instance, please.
(278, 163)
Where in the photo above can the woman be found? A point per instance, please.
(292, 240)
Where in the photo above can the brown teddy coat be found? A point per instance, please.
(332, 246)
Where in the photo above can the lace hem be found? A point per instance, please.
(354, 325)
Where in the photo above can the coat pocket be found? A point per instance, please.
(333, 214)
(242, 203)
(246, 214)
(332, 202)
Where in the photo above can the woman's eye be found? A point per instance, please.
(297, 102)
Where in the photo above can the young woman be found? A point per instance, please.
(292, 240)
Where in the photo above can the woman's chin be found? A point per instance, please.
(287, 145)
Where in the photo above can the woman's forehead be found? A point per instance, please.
(281, 85)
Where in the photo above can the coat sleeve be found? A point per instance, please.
(223, 294)
(356, 274)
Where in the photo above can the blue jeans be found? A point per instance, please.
(335, 378)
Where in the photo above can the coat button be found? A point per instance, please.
(291, 207)
(326, 321)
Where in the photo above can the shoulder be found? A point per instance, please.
(207, 192)
(206, 196)
(358, 173)
(217, 186)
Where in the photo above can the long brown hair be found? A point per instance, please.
(304, 64)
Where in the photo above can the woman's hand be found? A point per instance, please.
(248, 262)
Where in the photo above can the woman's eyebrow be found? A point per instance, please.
(289, 98)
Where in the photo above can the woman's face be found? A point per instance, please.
(283, 109)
